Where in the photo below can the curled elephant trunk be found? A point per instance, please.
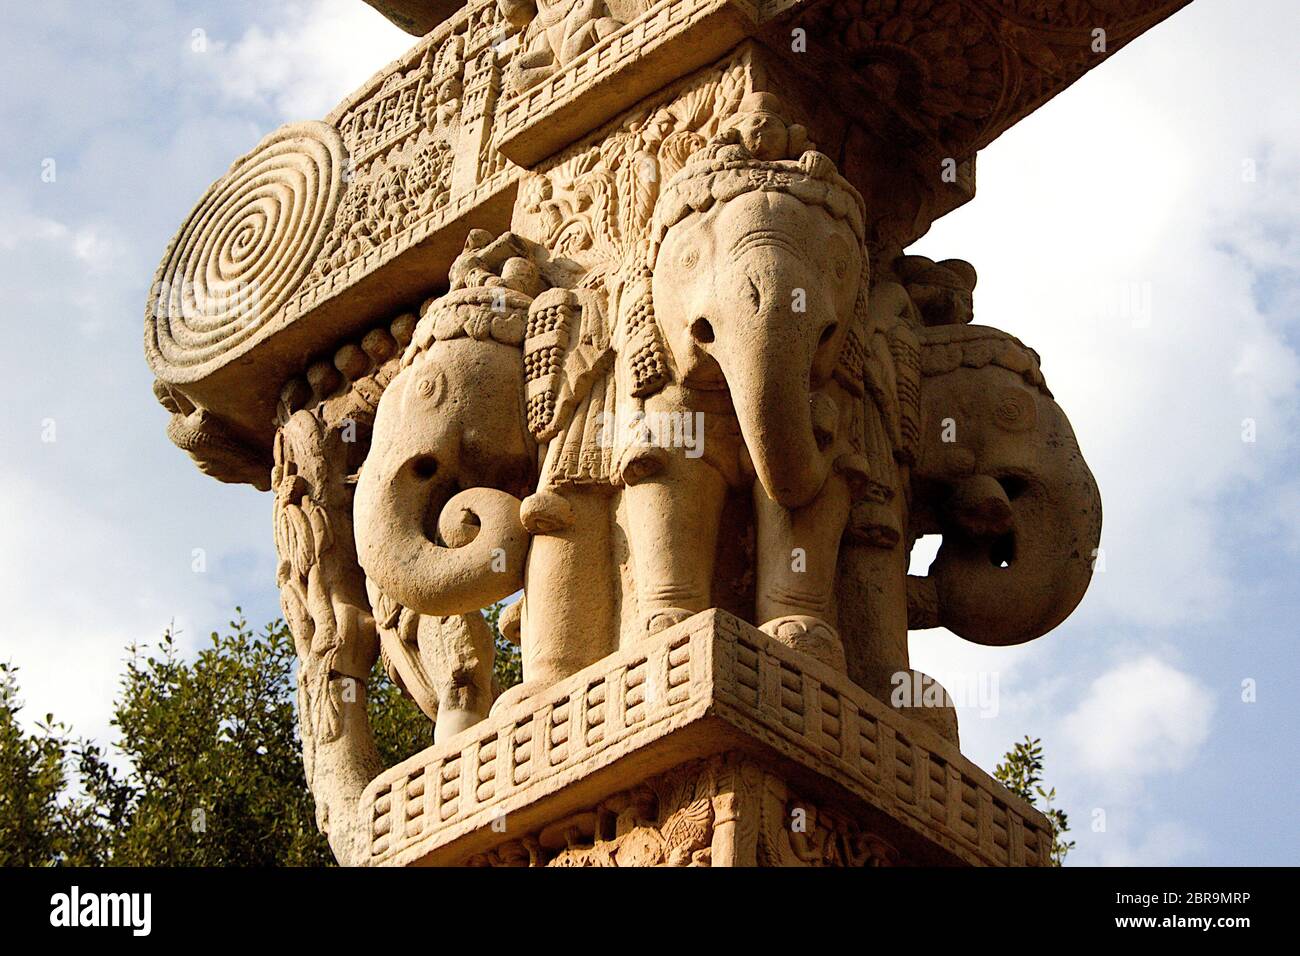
(1012, 565)
(999, 474)
(482, 560)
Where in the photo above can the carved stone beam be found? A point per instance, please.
(328, 228)
(416, 17)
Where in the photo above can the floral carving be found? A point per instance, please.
(939, 59)
(799, 832)
(402, 143)
(667, 821)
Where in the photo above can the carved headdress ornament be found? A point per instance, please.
(493, 282)
(758, 150)
(486, 314)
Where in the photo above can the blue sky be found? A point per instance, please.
(1140, 231)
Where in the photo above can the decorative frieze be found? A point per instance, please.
(708, 693)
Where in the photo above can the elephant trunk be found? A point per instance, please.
(774, 408)
(999, 587)
(482, 562)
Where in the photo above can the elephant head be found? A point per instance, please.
(758, 266)
(999, 474)
(437, 506)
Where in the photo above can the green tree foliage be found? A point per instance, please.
(508, 667)
(210, 767)
(39, 824)
(1021, 772)
(213, 759)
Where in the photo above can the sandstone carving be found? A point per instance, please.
(748, 309)
(322, 594)
(209, 441)
(604, 307)
(1017, 506)
(555, 33)
(245, 248)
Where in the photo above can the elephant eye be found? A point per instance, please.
(1014, 410)
(688, 258)
(433, 387)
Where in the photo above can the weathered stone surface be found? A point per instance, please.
(608, 302)
(430, 147)
(700, 745)
(416, 17)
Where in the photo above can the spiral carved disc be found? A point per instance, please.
(244, 250)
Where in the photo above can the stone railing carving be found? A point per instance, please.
(711, 686)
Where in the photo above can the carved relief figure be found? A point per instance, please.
(556, 32)
(322, 594)
(209, 441)
(759, 292)
(401, 145)
(438, 499)
(1000, 475)
(443, 663)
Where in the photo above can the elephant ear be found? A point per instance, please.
(565, 351)
(398, 632)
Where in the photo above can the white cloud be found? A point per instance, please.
(1144, 842)
(1115, 233)
(76, 591)
(313, 57)
(21, 227)
(1138, 719)
(1286, 513)
(94, 246)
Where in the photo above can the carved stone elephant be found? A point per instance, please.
(755, 289)
(1000, 476)
(437, 504)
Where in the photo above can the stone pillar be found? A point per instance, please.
(610, 301)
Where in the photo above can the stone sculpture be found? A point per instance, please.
(555, 33)
(1019, 511)
(758, 266)
(675, 379)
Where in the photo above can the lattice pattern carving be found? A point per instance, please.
(713, 666)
